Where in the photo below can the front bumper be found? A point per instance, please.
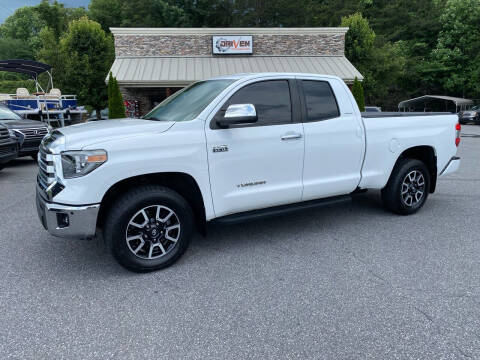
(8, 152)
(78, 222)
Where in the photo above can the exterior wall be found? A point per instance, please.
(147, 98)
(201, 45)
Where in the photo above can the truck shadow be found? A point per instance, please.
(278, 231)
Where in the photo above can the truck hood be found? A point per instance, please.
(23, 124)
(81, 135)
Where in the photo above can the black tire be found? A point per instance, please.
(392, 197)
(125, 207)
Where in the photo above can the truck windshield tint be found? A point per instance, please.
(188, 103)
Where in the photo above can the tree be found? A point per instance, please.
(116, 108)
(359, 40)
(106, 12)
(25, 25)
(53, 15)
(51, 53)
(357, 91)
(137, 13)
(110, 90)
(15, 49)
(88, 53)
(458, 48)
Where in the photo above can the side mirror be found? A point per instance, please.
(238, 114)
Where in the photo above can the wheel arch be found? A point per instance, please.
(427, 155)
(182, 183)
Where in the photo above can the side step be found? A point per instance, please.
(279, 210)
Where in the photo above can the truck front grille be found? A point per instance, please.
(4, 135)
(34, 133)
(46, 172)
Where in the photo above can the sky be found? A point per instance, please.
(7, 7)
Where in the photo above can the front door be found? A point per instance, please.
(259, 165)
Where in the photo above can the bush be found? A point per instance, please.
(357, 91)
(116, 109)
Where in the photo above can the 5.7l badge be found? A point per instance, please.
(221, 148)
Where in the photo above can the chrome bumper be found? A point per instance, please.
(67, 221)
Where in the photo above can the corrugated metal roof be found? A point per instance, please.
(456, 100)
(180, 71)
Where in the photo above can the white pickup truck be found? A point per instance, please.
(232, 149)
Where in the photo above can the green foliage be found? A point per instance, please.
(403, 48)
(15, 49)
(116, 108)
(458, 50)
(110, 86)
(10, 86)
(137, 13)
(359, 40)
(357, 91)
(87, 53)
(106, 12)
(24, 25)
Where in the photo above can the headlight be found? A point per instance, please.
(12, 133)
(79, 163)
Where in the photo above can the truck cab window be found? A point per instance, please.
(271, 99)
(319, 100)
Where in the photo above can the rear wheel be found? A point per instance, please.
(149, 228)
(408, 187)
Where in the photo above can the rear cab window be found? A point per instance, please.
(320, 101)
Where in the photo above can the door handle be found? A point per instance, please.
(291, 136)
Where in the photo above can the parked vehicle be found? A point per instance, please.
(470, 116)
(28, 133)
(8, 147)
(373, 109)
(232, 149)
(103, 115)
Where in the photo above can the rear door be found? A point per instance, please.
(257, 165)
(334, 139)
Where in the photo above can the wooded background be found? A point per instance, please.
(403, 48)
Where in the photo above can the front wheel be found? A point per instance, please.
(149, 228)
(408, 187)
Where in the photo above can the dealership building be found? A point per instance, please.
(152, 63)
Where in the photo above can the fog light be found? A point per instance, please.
(62, 220)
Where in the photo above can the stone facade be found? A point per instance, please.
(201, 45)
(150, 42)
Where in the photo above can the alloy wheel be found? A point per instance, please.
(153, 232)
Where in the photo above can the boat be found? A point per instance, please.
(49, 105)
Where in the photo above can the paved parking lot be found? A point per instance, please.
(347, 281)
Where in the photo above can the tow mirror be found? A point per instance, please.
(238, 114)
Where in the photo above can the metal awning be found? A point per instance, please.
(426, 98)
(183, 70)
(29, 67)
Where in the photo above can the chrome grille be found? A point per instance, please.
(46, 171)
(4, 135)
(34, 133)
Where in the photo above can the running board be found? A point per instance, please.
(279, 210)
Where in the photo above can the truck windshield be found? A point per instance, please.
(188, 103)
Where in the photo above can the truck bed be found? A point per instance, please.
(401, 114)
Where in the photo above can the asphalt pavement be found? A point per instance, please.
(348, 281)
